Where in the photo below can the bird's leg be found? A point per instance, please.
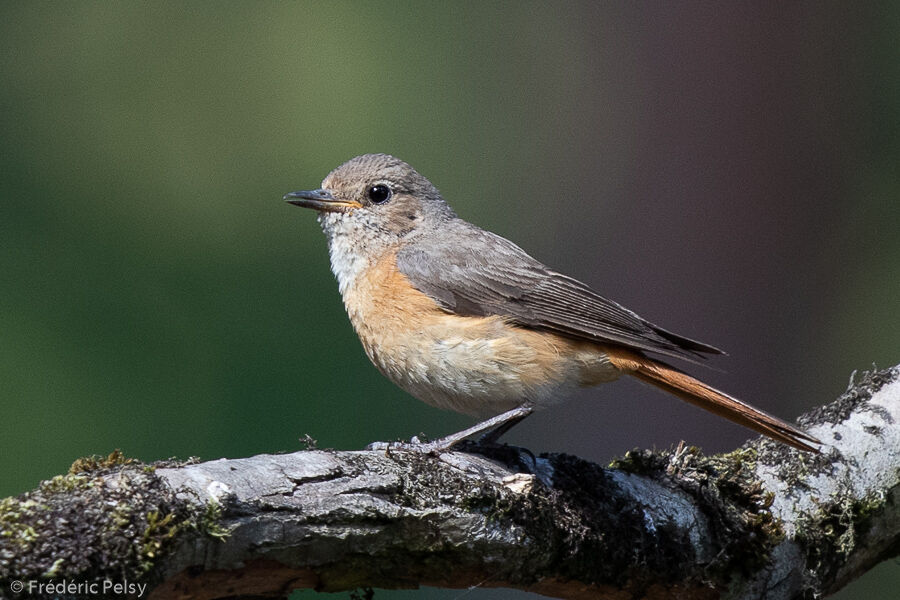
(493, 435)
(492, 429)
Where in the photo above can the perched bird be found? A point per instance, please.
(464, 319)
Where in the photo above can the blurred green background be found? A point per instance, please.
(730, 174)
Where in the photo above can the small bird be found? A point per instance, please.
(464, 319)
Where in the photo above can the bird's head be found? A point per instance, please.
(369, 205)
(377, 192)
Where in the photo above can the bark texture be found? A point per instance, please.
(762, 522)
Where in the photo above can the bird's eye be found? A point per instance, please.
(379, 194)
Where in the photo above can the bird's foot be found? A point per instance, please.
(490, 429)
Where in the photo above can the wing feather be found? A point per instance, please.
(492, 276)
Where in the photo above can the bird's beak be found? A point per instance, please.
(320, 200)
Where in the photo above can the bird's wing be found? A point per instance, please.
(489, 275)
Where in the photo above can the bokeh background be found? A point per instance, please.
(729, 173)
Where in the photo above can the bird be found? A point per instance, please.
(464, 319)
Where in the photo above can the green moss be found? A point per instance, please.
(61, 484)
(121, 515)
(833, 531)
(639, 462)
(744, 457)
(726, 488)
(95, 462)
(210, 522)
(84, 525)
(15, 522)
(864, 509)
(54, 569)
(593, 517)
(159, 530)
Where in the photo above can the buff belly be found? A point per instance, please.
(475, 365)
(490, 370)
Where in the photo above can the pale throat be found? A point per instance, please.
(348, 249)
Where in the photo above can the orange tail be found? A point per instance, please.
(699, 394)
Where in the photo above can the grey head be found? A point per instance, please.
(378, 190)
(370, 204)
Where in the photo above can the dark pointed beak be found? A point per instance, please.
(320, 200)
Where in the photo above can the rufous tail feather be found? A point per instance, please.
(708, 398)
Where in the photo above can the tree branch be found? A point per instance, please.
(764, 521)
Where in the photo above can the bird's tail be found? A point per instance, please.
(708, 398)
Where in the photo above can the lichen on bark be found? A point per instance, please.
(108, 518)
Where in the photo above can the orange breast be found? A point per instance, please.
(475, 365)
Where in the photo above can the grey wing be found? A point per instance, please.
(489, 275)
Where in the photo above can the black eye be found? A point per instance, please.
(379, 194)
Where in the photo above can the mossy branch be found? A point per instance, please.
(764, 521)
